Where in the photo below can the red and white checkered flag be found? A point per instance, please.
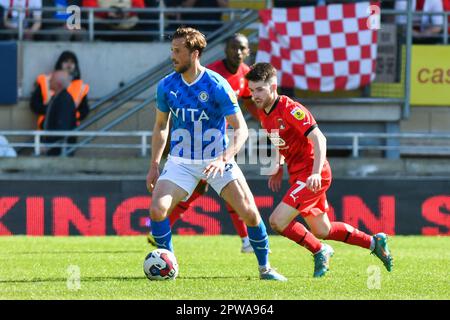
(323, 48)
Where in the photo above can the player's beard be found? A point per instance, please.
(269, 101)
(183, 68)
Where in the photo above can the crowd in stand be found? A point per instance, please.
(118, 16)
(110, 25)
(64, 86)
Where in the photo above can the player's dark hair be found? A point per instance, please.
(262, 71)
(195, 40)
(234, 37)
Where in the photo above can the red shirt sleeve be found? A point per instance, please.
(214, 66)
(300, 118)
(246, 93)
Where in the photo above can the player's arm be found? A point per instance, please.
(275, 180)
(319, 141)
(238, 138)
(240, 135)
(159, 140)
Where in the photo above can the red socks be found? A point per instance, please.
(239, 225)
(341, 231)
(299, 234)
(178, 211)
(182, 207)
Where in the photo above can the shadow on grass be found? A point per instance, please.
(101, 279)
(70, 252)
(83, 279)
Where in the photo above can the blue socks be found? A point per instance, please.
(162, 234)
(258, 239)
(260, 243)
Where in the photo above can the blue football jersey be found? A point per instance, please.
(198, 112)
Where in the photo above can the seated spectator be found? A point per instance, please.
(5, 149)
(56, 21)
(31, 16)
(189, 19)
(128, 20)
(427, 27)
(77, 89)
(149, 26)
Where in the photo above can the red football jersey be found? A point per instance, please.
(237, 80)
(287, 124)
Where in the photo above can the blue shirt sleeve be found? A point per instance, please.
(161, 103)
(226, 99)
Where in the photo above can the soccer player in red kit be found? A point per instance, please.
(233, 69)
(295, 133)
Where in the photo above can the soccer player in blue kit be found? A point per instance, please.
(200, 104)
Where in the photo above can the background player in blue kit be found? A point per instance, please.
(200, 102)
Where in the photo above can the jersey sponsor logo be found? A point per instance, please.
(189, 114)
(203, 96)
(277, 141)
(298, 113)
(174, 93)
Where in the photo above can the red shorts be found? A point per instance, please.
(305, 201)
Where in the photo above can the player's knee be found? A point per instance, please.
(321, 233)
(276, 224)
(158, 212)
(248, 212)
(250, 215)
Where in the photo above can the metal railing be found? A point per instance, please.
(143, 82)
(38, 145)
(89, 22)
(357, 141)
(149, 79)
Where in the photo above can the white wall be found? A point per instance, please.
(103, 64)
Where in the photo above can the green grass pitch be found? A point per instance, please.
(213, 268)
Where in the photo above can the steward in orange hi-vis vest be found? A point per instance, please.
(78, 90)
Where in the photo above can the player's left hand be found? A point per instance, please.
(314, 182)
(217, 166)
(275, 180)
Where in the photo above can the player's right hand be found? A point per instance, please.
(152, 177)
(276, 179)
(215, 167)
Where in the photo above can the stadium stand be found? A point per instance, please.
(380, 108)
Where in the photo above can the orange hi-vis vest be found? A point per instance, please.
(77, 89)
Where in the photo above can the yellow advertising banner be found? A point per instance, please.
(430, 75)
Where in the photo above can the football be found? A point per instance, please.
(161, 264)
